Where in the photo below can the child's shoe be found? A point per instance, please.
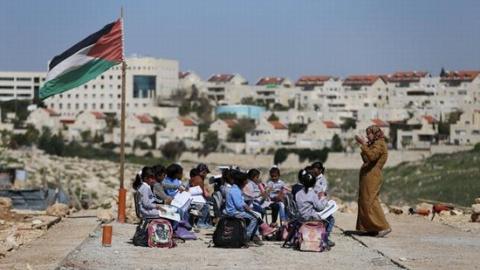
(256, 240)
(204, 226)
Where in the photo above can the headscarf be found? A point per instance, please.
(377, 133)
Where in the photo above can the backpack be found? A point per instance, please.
(160, 233)
(311, 236)
(140, 238)
(290, 206)
(230, 232)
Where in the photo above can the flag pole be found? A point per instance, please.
(122, 195)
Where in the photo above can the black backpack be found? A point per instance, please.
(230, 232)
(140, 238)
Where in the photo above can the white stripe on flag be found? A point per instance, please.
(71, 63)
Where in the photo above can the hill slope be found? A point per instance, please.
(453, 178)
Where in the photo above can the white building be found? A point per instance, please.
(146, 79)
(20, 85)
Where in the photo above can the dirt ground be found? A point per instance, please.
(415, 243)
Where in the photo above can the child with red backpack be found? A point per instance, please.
(310, 203)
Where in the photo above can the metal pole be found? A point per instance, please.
(122, 192)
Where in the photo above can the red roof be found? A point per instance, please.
(330, 124)
(188, 122)
(270, 80)
(407, 76)
(51, 112)
(144, 119)
(67, 121)
(477, 111)
(462, 75)
(430, 119)
(99, 115)
(183, 74)
(362, 79)
(230, 122)
(221, 78)
(379, 122)
(313, 80)
(277, 125)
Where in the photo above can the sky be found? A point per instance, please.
(253, 38)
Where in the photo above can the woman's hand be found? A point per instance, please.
(321, 194)
(161, 209)
(360, 140)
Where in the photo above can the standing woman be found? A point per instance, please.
(374, 154)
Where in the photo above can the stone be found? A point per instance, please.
(36, 222)
(385, 208)
(475, 217)
(477, 200)
(5, 202)
(105, 215)
(476, 208)
(58, 210)
(455, 212)
(395, 209)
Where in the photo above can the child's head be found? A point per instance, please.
(160, 172)
(148, 175)
(239, 178)
(194, 172)
(253, 175)
(274, 174)
(308, 179)
(301, 172)
(317, 168)
(174, 171)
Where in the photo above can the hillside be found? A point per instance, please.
(453, 178)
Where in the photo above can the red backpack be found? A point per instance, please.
(160, 233)
(311, 236)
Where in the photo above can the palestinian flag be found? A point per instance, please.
(85, 60)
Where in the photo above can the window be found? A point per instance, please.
(6, 87)
(24, 79)
(142, 85)
(85, 106)
(6, 78)
(85, 86)
(77, 106)
(93, 106)
(24, 87)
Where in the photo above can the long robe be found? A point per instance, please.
(370, 216)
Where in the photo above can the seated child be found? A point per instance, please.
(196, 179)
(310, 203)
(236, 207)
(275, 189)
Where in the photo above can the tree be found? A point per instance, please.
(173, 150)
(210, 142)
(227, 115)
(237, 132)
(86, 136)
(296, 128)
(273, 117)
(349, 123)
(203, 109)
(248, 101)
(336, 144)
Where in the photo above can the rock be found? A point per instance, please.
(456, 212)
(58, 210)
(385, 208)
(105, 215)
(406, 209)
(395, 209)
(5, 202)
(36, 222)
(477, 200)
(2, 222)
(15, 240)
(475, 217)
(425, 206)
(476, 208)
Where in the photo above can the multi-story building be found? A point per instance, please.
(459, 88)
(274, 90)
(366, 91)
(146, 80)
(467, 128)
(20, 85)
(226, 89)
(321, 93)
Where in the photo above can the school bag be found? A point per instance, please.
(140, 238)
(230, 232)
(160, 233)
(311, 236)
